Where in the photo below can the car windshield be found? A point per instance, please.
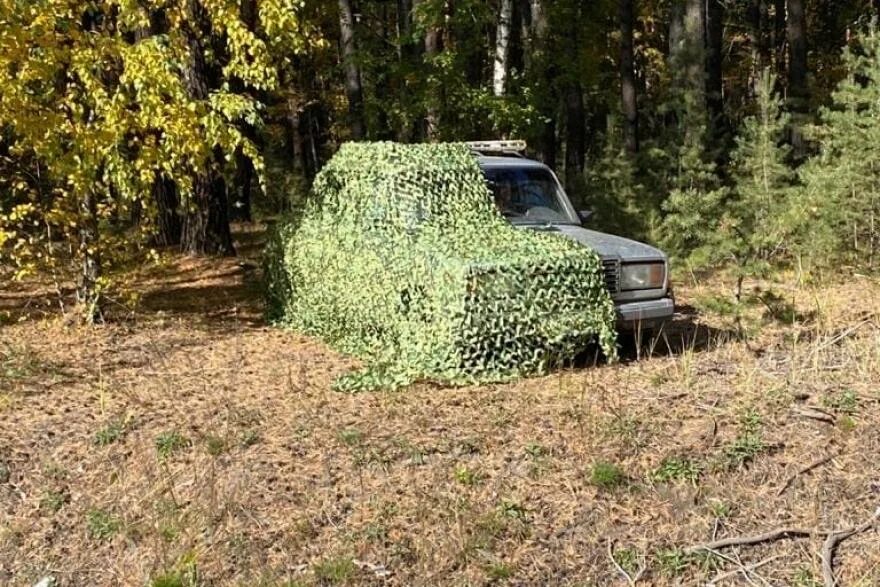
(527, 195)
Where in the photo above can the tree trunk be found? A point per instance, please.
(540, 71)
(760, 51)
(410, 53)
(168, 222)
(353, 86)
(502, 48)
(695, 31)
(687, 64)
(244, 178)
(798, 93)
(779, 37)
(797, 41)
(714, 64)
(575, 149)
(548, 142)
(240, 208)
(687, 34)
(206, 223)
(295, 144)
(249, 14)
(88, 293)
(404, 23)
(522, 10)
(305, 137)
(629, 102)
(433, 38)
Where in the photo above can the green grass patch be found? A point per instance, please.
(336, 571)
(677, 469)
(169, 443)
(110, 433)
(466, 476)
(102, 525)
(843, 402)
(607, 476)
(747, 445)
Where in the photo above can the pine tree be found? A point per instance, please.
(616, 197)
(754, 231)
(838, 218)
(747, 225)
(694, 205)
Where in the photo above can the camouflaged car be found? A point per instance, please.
(530, 196)
(401, 258)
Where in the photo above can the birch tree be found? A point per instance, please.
(502, 47)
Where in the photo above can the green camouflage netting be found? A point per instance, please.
(400, 258)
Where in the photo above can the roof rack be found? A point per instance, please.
(512, 147)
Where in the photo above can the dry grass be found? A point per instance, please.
(191, 443)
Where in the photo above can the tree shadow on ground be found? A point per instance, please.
(212, 289)
(235, 293)
(20, 301)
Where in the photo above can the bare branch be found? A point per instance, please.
(756, 539)
(745, 569)
(807, 469)
(834, 539)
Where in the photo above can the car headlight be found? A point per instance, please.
(642, 276)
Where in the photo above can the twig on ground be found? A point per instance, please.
(807, 469)
(814, 414)
(629, 578)
(747, 575)
(743, 569)
(748, 540)
(834, 539)
(845, 334)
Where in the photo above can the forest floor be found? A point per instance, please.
(186, 442)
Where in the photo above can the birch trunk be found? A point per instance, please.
(502, 48)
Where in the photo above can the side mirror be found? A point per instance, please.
(585, 215)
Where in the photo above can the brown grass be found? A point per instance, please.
(189, 439)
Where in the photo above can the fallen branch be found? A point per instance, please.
(749, 540)
(807, 469)
(629, 578)
(746, 569)
(845, 334)
(814, 414)
(834, 539)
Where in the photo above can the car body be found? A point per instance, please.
(400, 258)
(636, 274)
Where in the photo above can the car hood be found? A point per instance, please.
(607, 245)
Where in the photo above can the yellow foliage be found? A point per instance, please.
(101, 110)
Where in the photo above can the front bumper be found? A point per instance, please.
(644, 314)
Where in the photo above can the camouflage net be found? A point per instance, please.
(400, 258)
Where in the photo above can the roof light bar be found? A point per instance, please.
(514, 146)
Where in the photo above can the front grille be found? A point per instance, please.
(611, 269)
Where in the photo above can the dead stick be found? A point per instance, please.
(805, 470)
(743, 569)
(756, 539)
(814, 414)
(619, 568)
(844, 334)
(834, 539)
